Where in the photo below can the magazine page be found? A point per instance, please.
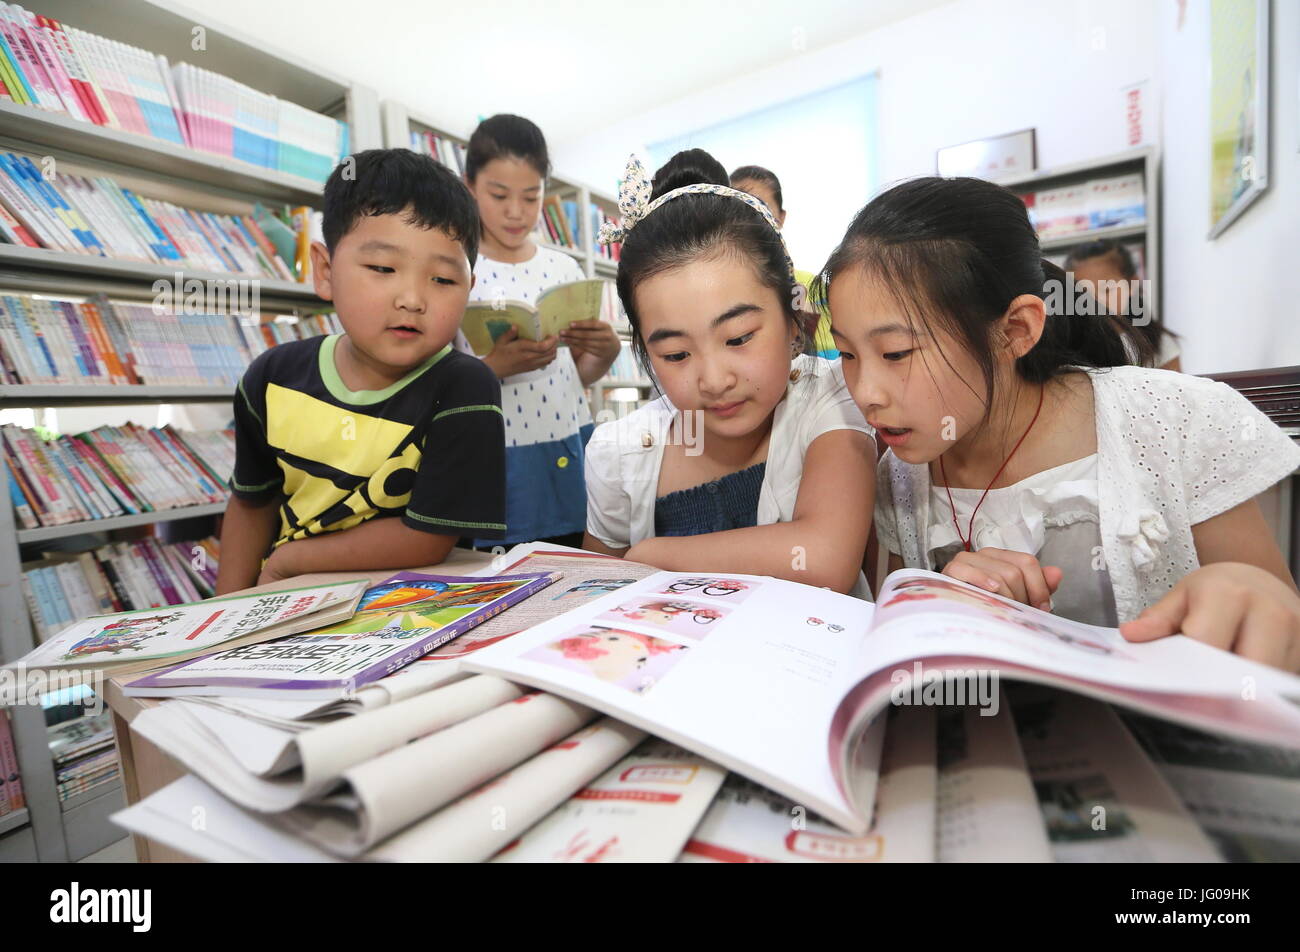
(1245, 797)
(744, 670)
(190, 816)
(642, 810)
(1101, 797)
(750, 824)
(390, 792)
(928, 627)
(155, 636)
(984, 790)
(398, 621)
(484, 820)
(208, 741)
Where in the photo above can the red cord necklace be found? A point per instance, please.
(970, 528)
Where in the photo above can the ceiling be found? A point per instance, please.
(570, 65)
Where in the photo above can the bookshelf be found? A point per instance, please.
(1144, 162)
(399, 123)
(47, 830)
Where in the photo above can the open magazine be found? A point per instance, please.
(399, 620)
(152, 637)
(781, 682)
(557, 307)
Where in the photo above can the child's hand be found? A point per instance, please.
(277, 566)
(1011, 574)
(592, 337)
(1240, 608)
(511, 355)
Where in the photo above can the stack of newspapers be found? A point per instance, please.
(623, 714)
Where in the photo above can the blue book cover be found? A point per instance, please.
(161, 244)
(54, 198)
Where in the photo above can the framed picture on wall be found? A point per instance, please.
(993, 158)
(1239, 68)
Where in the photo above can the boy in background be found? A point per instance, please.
(379, 447)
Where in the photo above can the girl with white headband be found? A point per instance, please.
(755, 458)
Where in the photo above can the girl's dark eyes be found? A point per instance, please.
(896, 355)
(381, 268)
(847, 356)
(444, 280)
(675, 358)
(741, 340)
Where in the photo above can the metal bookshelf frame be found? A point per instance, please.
(47, 830)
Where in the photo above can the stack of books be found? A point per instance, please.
(558, 223)
(447, 151)
(11, 784)
(98, 217)
(610, 252)
(84, 753)
(60, 69)
(121, 576)
(94, 341)
(113, 471)
(1086, 206)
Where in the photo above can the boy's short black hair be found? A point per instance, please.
(505, 136)
(393, 181)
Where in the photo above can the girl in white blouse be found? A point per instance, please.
(754, 460)
(1024, 458)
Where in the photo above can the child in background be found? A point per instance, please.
(1107, 266)
(1018, 463)
(385, 420)
(764, 185)
(547, 420)
(755, 459)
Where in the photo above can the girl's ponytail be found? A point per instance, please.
(1078, 340)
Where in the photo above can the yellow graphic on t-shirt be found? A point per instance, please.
(340, 447)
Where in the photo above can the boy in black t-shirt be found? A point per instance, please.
(384, 420)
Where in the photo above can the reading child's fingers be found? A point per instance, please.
(1037, 592)
(1214, 615)
(1162, 619)
(1267, 632)
(964, 570)
(993, 574)
(1053, 576)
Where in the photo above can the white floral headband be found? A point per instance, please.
(634, 205)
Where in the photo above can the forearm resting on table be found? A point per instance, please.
(799, 551)
(380, 543)
(246, 533)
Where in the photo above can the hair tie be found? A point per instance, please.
(634, 205)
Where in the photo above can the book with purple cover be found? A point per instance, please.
(399, 620)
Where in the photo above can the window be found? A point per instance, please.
(821, 146)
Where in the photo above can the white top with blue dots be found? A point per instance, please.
(545, 405)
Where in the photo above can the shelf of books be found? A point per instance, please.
(158, 175)
(1113, 198)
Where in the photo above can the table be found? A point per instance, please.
(146, 769)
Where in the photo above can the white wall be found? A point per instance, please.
(1236, 299)
(963, 71)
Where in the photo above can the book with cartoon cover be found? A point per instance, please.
(784, 683)
(152, 637)
(556, 308)
(397, 621)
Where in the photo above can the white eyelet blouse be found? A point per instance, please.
(1173, 450)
